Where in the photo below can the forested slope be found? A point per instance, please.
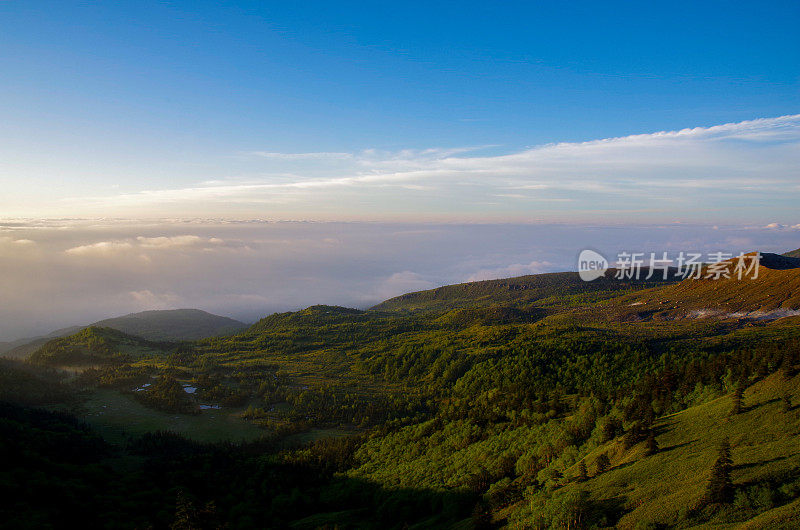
(559, 404)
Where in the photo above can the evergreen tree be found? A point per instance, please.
(738, 396)
(610, 427)
(185, 513)
(651, 445)
(480, 481)
(602, 463)
(582, 473)
(787, 402)
(634, 435)
(720, 486)
(482, 515)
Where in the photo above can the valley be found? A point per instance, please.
(539, 401)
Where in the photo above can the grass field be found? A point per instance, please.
(658, 489)
(114, 414)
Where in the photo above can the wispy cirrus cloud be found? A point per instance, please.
(300, 156)
(728, 169)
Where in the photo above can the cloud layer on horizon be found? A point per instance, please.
(59, 273)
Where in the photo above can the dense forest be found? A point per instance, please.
(535, 402)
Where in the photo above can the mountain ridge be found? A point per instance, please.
(92, 345)
(172, 324)
(529, 288)
(771, 291)
(525, 397)
(154, 325)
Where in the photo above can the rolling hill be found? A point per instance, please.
(773, 293)
(22, 348)
(517, 403)
(793, 253)
(93, 345)
(539, 288)
(157, 325)
(173, 324)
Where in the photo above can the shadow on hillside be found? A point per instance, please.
(760, 462)
(663, 428)
(161, 479)
(621, 466)
(353, 503)
(609, 510)
(753, 406)
(676, 446)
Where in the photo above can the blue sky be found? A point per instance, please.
(120, 107)
(480, 140)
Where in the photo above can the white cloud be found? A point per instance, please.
(169, 242)
(397, 284)
(6, 240)
(142, 243)
(781, 226)
(147, 299)
(292, 265)
(102, 248)
(10, 246)
(517, 269)
(645, 173)
(301, 156)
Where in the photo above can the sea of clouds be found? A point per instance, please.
(58, 273)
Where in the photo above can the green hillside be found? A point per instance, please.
(157, 325)
(308, 318)
(793, 253)
(541, 288)
(536, 402)
(669, 485)
(638, 489)
(93, 345)
(22, 348)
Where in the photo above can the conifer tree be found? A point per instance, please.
(787, 402)
(602, 464)
(720, 486)
(582, 473)
(651, 445)
(634, 435)
(738, 396)
(481, 515)
(185, 513)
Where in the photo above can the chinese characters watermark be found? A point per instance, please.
(683, 265)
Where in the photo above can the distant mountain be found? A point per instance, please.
(515, 403)
(308, 318)
(524, 289)
(20, 349)
(173, 325)
(774, 293)
(93, 345)
(167, 325)
(793, 254)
